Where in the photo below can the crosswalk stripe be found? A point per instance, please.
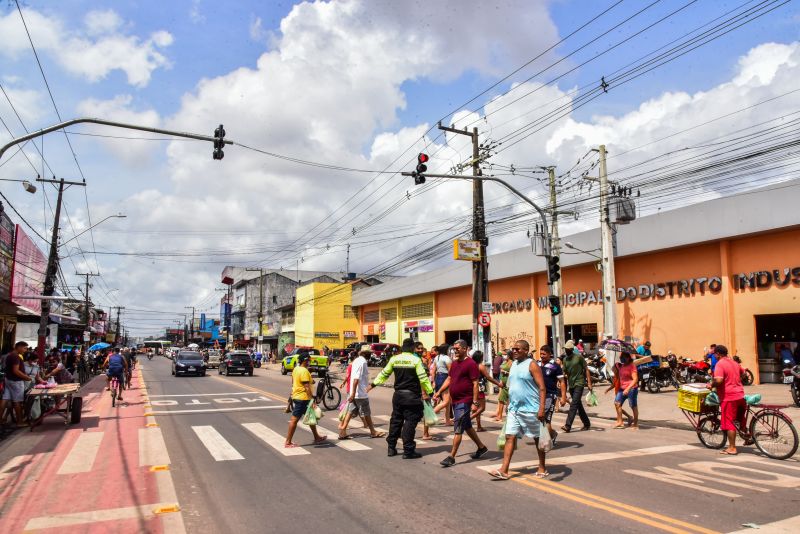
(12, 467)
(273, 439)
(219, 448)
(347, 444)
(152, 449)
(82, 454)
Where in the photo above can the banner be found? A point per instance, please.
(6, 255)
(29, 269)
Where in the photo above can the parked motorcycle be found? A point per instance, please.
(747, 374)
(377, 360)
(693, 371)
(791, 376)
(597, 368)
(659, 377)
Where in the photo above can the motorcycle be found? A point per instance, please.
(659, 377)
(149, 355)
(747, 374)
(693, 371)
(597, 368)
(377, 360)
(791, 376)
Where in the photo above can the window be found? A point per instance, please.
(274, 299)
(424, 309)
(389, 314)
(348, 312)
(371, 316)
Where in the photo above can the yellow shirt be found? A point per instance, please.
(299, 375)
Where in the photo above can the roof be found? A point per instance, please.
(757, 211)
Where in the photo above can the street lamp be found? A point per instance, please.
(29, 187)
(589, 252)
(118, 216)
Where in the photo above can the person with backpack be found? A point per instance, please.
(117, 367)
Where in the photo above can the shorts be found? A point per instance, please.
(438, 380)
(632, 396)
(299, 407)
(461, 417)
(14, 391)
(359, 408)
(519, 424)
(550, 402)
(730, 412)
(119, 374)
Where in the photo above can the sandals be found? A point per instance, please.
(322, 439)
(348, 436)
(290, 446)
(498, 475)
(378, 435)
(728, 453)
(542, 475)
(618, 427)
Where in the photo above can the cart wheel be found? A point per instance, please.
(75, 410)
(709, 433)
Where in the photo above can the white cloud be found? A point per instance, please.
(195, 15)
(257, 32)
(94, 53)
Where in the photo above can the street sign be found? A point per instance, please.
(466, 250)
(484, 319)
(486, 307)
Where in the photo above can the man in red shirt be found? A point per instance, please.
(463, 383)
(732, 407)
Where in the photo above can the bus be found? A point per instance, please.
(160, 347)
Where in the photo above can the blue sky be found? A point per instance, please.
(229, 62)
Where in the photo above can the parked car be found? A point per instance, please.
(214, 359)
(188, 362)
(318, 363)
(236, 361)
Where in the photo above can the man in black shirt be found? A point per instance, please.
(554, 385)
(14, 382)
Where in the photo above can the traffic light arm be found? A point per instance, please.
(104, 122)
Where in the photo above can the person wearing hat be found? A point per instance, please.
(301, 397)
(644, 350)
(578, 378)
(732, 406)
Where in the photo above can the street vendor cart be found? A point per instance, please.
(59, 400)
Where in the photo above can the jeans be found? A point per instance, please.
(406, 414)
(576, 406)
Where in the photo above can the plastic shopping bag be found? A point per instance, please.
(501, 439)
(318, 412)
(545, 443)
(591, 399)
(310, 418)
(429, 417)
(342, 411)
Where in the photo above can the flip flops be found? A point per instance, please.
(345, 437)
(497, 475)
(378, 435)
(291, 446)
(542, 475)
(322, 439)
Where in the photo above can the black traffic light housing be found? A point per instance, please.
(555, 304)
(419, 173)
(553, 269)
(219, 143)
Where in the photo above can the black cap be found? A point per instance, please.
(302, 357)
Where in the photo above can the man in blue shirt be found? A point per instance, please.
(644, 350)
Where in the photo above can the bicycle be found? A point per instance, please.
(116, 390)
(327, 394)
(769, 429)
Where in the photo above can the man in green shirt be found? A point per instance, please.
(578, 378)
(411, 386)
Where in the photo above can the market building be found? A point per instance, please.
(722, 271)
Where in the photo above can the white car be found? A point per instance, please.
(214, 358)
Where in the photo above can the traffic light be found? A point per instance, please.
(553, 269)
(555, 304)
(419, 173)
(219, 142)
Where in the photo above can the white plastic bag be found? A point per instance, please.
(545, 443)
(318, 412)
(591, 399)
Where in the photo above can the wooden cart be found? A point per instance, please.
(63, 402)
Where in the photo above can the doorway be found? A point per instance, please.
(775, 333)
(576, 332)
(451, 336)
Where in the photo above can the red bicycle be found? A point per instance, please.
(116, 390)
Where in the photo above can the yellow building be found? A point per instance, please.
(392, 321)
(324, 316)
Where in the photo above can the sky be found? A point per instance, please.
(360, 85)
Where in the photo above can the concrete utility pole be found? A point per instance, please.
(607, 252)
(86, 303)
(52, 267)
(481, 336)
(555, 250)
(261, 302)
(119, 327)
(191, 325)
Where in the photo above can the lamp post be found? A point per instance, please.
(76, 236)
(29, 187)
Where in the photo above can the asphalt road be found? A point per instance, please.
(225, 437)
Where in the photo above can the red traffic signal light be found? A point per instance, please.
(422, 158)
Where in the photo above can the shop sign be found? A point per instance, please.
(29, 268)
(329, 335)
(487, 307)
(6, 255)
(423, 325)
(350, 334)
(765, 279)
(369, 329)
(507, 306)
(466, 250)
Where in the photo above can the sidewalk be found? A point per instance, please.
(657, 409)
(93, 475)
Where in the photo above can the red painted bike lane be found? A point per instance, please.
(97, 476)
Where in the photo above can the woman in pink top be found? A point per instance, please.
(628, 378)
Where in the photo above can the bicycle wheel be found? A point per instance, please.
(113, 395)
(331, 398)
(774, 434)
(709, 433)
(747, 377)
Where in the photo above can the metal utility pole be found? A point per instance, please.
(607, 252)
(555, 250)
(261, 303)
(191, 325)
(481, 336)
(86, 301)
(119, 327)
(52, 267)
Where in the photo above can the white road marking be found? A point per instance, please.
(12, 467)
(152, 449)
(203, 394)
(789, 525)
(219, 448)
(347, 444)
(273, 439)
(209, 410)
(596, 457)
(144, 511)
(171, 523)
(82, 454)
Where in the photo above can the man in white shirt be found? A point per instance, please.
(358, 403)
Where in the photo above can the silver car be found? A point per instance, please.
(214, 358)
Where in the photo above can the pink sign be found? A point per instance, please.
(29, 268)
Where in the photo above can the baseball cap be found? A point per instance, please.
(569, 345)
(302, 357)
